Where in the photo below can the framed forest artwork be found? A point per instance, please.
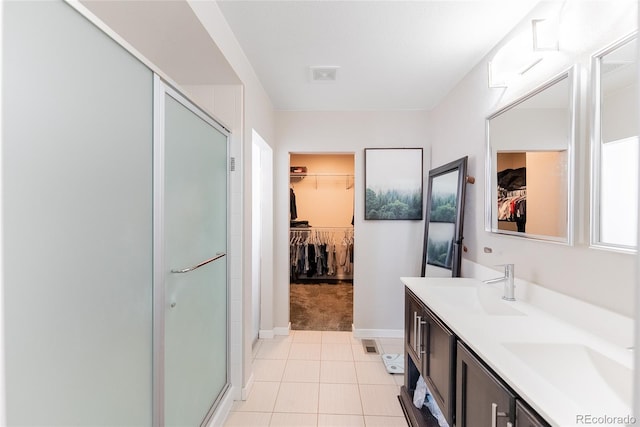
(393, 183)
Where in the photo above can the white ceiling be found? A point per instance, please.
(393, 55)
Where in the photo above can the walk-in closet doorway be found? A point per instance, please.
(321, 241)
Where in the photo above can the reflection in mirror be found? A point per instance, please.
(529, 163)
(614, 210)
(534, 181)
(441, 255)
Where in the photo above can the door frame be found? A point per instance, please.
(286, 189)
(161, 89)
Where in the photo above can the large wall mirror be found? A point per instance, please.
(530, 163)
(614, 201)
(441, 256)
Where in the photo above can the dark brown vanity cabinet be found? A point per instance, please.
(482, 399)
(430, 352)
(468, 393)
(527, 417)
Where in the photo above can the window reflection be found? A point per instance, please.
(615, 167)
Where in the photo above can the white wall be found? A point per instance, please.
(530, 129)
(325, 200)
(458, 128)
(225, 103)
(257, 114)
(619, 110)
(383, 250)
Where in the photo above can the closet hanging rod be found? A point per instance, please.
(297, 175)
(319, 228)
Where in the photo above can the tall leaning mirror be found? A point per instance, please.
(441, 256)
(529, 173)
(614, 185)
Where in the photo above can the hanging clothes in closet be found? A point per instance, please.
(512, 207)
(293, 209)
(512, 197)
(321, 254)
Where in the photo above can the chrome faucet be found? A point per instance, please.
(509, 286)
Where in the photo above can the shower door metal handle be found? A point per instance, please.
(205, 262)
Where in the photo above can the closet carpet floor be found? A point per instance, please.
(321, 307)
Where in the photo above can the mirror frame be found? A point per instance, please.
(459, 165)
(596, 142)
(571, 75)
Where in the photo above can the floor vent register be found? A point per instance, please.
(370, 346)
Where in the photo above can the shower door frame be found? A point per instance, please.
(161, 89)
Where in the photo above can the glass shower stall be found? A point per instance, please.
(114, 215)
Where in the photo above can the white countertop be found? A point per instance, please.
(561, 370)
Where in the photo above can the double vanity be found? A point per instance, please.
(543, 358)
(491, 362)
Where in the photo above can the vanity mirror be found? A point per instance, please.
(529, 165)
(614, 185)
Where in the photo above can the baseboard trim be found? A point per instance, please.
(378, 333)
(284, 330)
(271, 333)
(222, 412)
(265, 334)
(244, 394)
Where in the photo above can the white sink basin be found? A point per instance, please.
(483, 300)
(570, 366)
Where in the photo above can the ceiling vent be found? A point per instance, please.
(325, 74)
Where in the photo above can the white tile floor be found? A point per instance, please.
(313, 378)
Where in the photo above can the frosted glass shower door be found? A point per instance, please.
(195, 263)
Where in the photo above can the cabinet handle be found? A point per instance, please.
(418, 341)
(419, 336)
(424, 349)
(415, 332)
(495, 414)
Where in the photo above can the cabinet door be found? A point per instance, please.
(415, 327)
(440, 365)
(527, 417)
(482, 399)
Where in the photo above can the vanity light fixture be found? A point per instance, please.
(512, 61)
(495, 81)
(523, 52)
(545, 34)
(323, 74)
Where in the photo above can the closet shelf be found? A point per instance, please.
(297, 177)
